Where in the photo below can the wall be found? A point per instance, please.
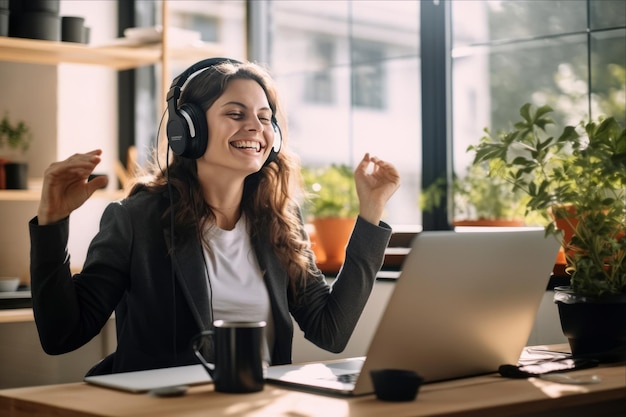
(305, 351)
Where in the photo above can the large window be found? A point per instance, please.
(351, 73)
(570, 55)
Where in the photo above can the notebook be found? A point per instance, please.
(463, 304)
(144, 381)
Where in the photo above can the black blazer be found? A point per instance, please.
(159, 305)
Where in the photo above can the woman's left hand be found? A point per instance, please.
(376, 181)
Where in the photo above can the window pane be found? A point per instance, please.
(608, 74)
(392, 25)
(527, 51)
(221, 22)
(606, 14)
(491, 84)
(477, 21)
(318, 133)
(349, 75)
(309, 35)
(394, 133)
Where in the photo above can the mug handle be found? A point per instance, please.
(196, 345)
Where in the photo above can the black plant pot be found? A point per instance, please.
(35, 25)
(595, 328)
(46, 6)
(16, 175)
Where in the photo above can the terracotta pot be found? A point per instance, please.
(566, 224)
(490, 223)
(332, 234)
(318, 251)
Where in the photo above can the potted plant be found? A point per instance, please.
(575, 179)
(16, 137)
(331, 207)
(478, 200)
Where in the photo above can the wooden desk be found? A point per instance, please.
(482, 396)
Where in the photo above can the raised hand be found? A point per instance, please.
(65, 186)
(376, 181)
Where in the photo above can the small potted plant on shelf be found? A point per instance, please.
(478, 199)
(576, 180)
(331, 207)
(16, 138)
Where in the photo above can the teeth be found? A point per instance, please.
(247, 144)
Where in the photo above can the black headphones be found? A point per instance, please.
(187, 131)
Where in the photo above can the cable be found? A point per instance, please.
(208, 278)
(166, 174)
(172, 251)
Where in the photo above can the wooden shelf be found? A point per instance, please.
(16, 315)
(34, 195)
(52, 53)
(120, 57)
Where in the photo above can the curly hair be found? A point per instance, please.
(268, 197)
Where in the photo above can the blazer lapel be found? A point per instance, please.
(190, 272)
(277, 282)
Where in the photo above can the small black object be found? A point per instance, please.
(173, 391)
(512, 371)
(92, 176)
(546, 367)
(396, 384)
(72, 28)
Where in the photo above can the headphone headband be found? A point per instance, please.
(198, 66)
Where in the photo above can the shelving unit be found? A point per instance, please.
(116, 55)
(44, 52)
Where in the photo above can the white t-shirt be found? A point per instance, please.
(238, 290)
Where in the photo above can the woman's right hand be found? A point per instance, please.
(65, 186)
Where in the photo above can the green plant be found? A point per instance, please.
(331, 191)
(579, 177)
(14, 136)
(476, 196)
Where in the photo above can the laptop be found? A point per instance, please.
(152, 379)
(463, 304)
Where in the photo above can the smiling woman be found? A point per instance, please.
(216, 235)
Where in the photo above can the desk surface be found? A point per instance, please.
(483, 396)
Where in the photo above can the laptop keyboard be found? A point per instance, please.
(348, 378)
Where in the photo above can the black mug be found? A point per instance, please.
(237, 355)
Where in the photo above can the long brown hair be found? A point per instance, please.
(270, 195)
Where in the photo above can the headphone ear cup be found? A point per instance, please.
(278, 143)
(195, 135)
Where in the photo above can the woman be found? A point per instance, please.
(237, 249)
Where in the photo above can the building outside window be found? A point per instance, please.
(349, 74)
(319, 86)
